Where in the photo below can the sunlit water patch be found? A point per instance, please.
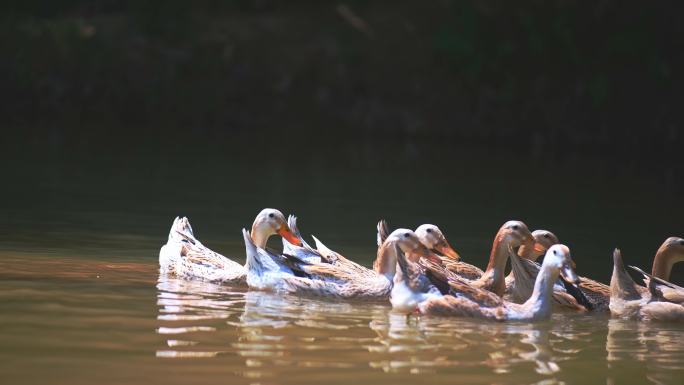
(68, 320)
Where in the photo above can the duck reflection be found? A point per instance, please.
(657, 345)
(277, 333)
(402, 344)
(188, 310)
(418, 345)
(267, 336)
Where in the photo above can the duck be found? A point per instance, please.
(512, 234)
(527, 268)
(185, 256)
(588, 295)
(524, 270)
(434, 239)
(669, 253)
(631, 301)
(413, 293)
(430, 235)
(290, 275)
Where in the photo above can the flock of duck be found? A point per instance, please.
(419, 272)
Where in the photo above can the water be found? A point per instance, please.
(82, 300)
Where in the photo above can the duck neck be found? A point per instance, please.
(260, 236)
(497, 265)
(539, 303)
(386, 261)
(662, 264)
(527, 251)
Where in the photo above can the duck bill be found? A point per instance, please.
(447, 250)
(289, 236)
(569, 275)
(529, 249)
(539, 248)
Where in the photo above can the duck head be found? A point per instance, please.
(433, 238)
(669, 253)
(558, 258)
(405, 240)
(271, 222)
(543, 240)
(515, 234)
(409, 243)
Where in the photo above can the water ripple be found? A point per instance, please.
(272, 335)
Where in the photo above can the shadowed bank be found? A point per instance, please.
(546, 74)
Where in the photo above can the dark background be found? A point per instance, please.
(119, 115)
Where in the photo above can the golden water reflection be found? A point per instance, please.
(282, 339)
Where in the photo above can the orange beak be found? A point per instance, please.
(286, 233)
(539, 248)
(448, 251)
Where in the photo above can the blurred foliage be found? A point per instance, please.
(553, 71)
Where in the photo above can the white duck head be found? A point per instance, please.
(271, 222)
(433, 238)
(407, 241)
(559, 260)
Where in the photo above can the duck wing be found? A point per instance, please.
(327, 272)
(336, 259)
(463, 307)
(461, 288)
(451, 284)
(596, 292)
(662, 289)
(304, 252)
(463, 269)
(199, 261)
(438, 275)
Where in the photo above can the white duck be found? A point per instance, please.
(185, 256)
(288, 274)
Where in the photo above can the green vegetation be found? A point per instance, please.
(559, 71)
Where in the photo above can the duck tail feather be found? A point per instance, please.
(383, 232)
(622, 285)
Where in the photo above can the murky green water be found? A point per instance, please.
(82, 301)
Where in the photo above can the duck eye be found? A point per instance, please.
(407, 235)
(271, 215)
(516, 227)
(546, 236)
(429, 230)
(555, 252)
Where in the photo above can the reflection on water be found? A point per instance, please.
(279, 338)
(186, 306)
(657, 345)
(107, 322)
